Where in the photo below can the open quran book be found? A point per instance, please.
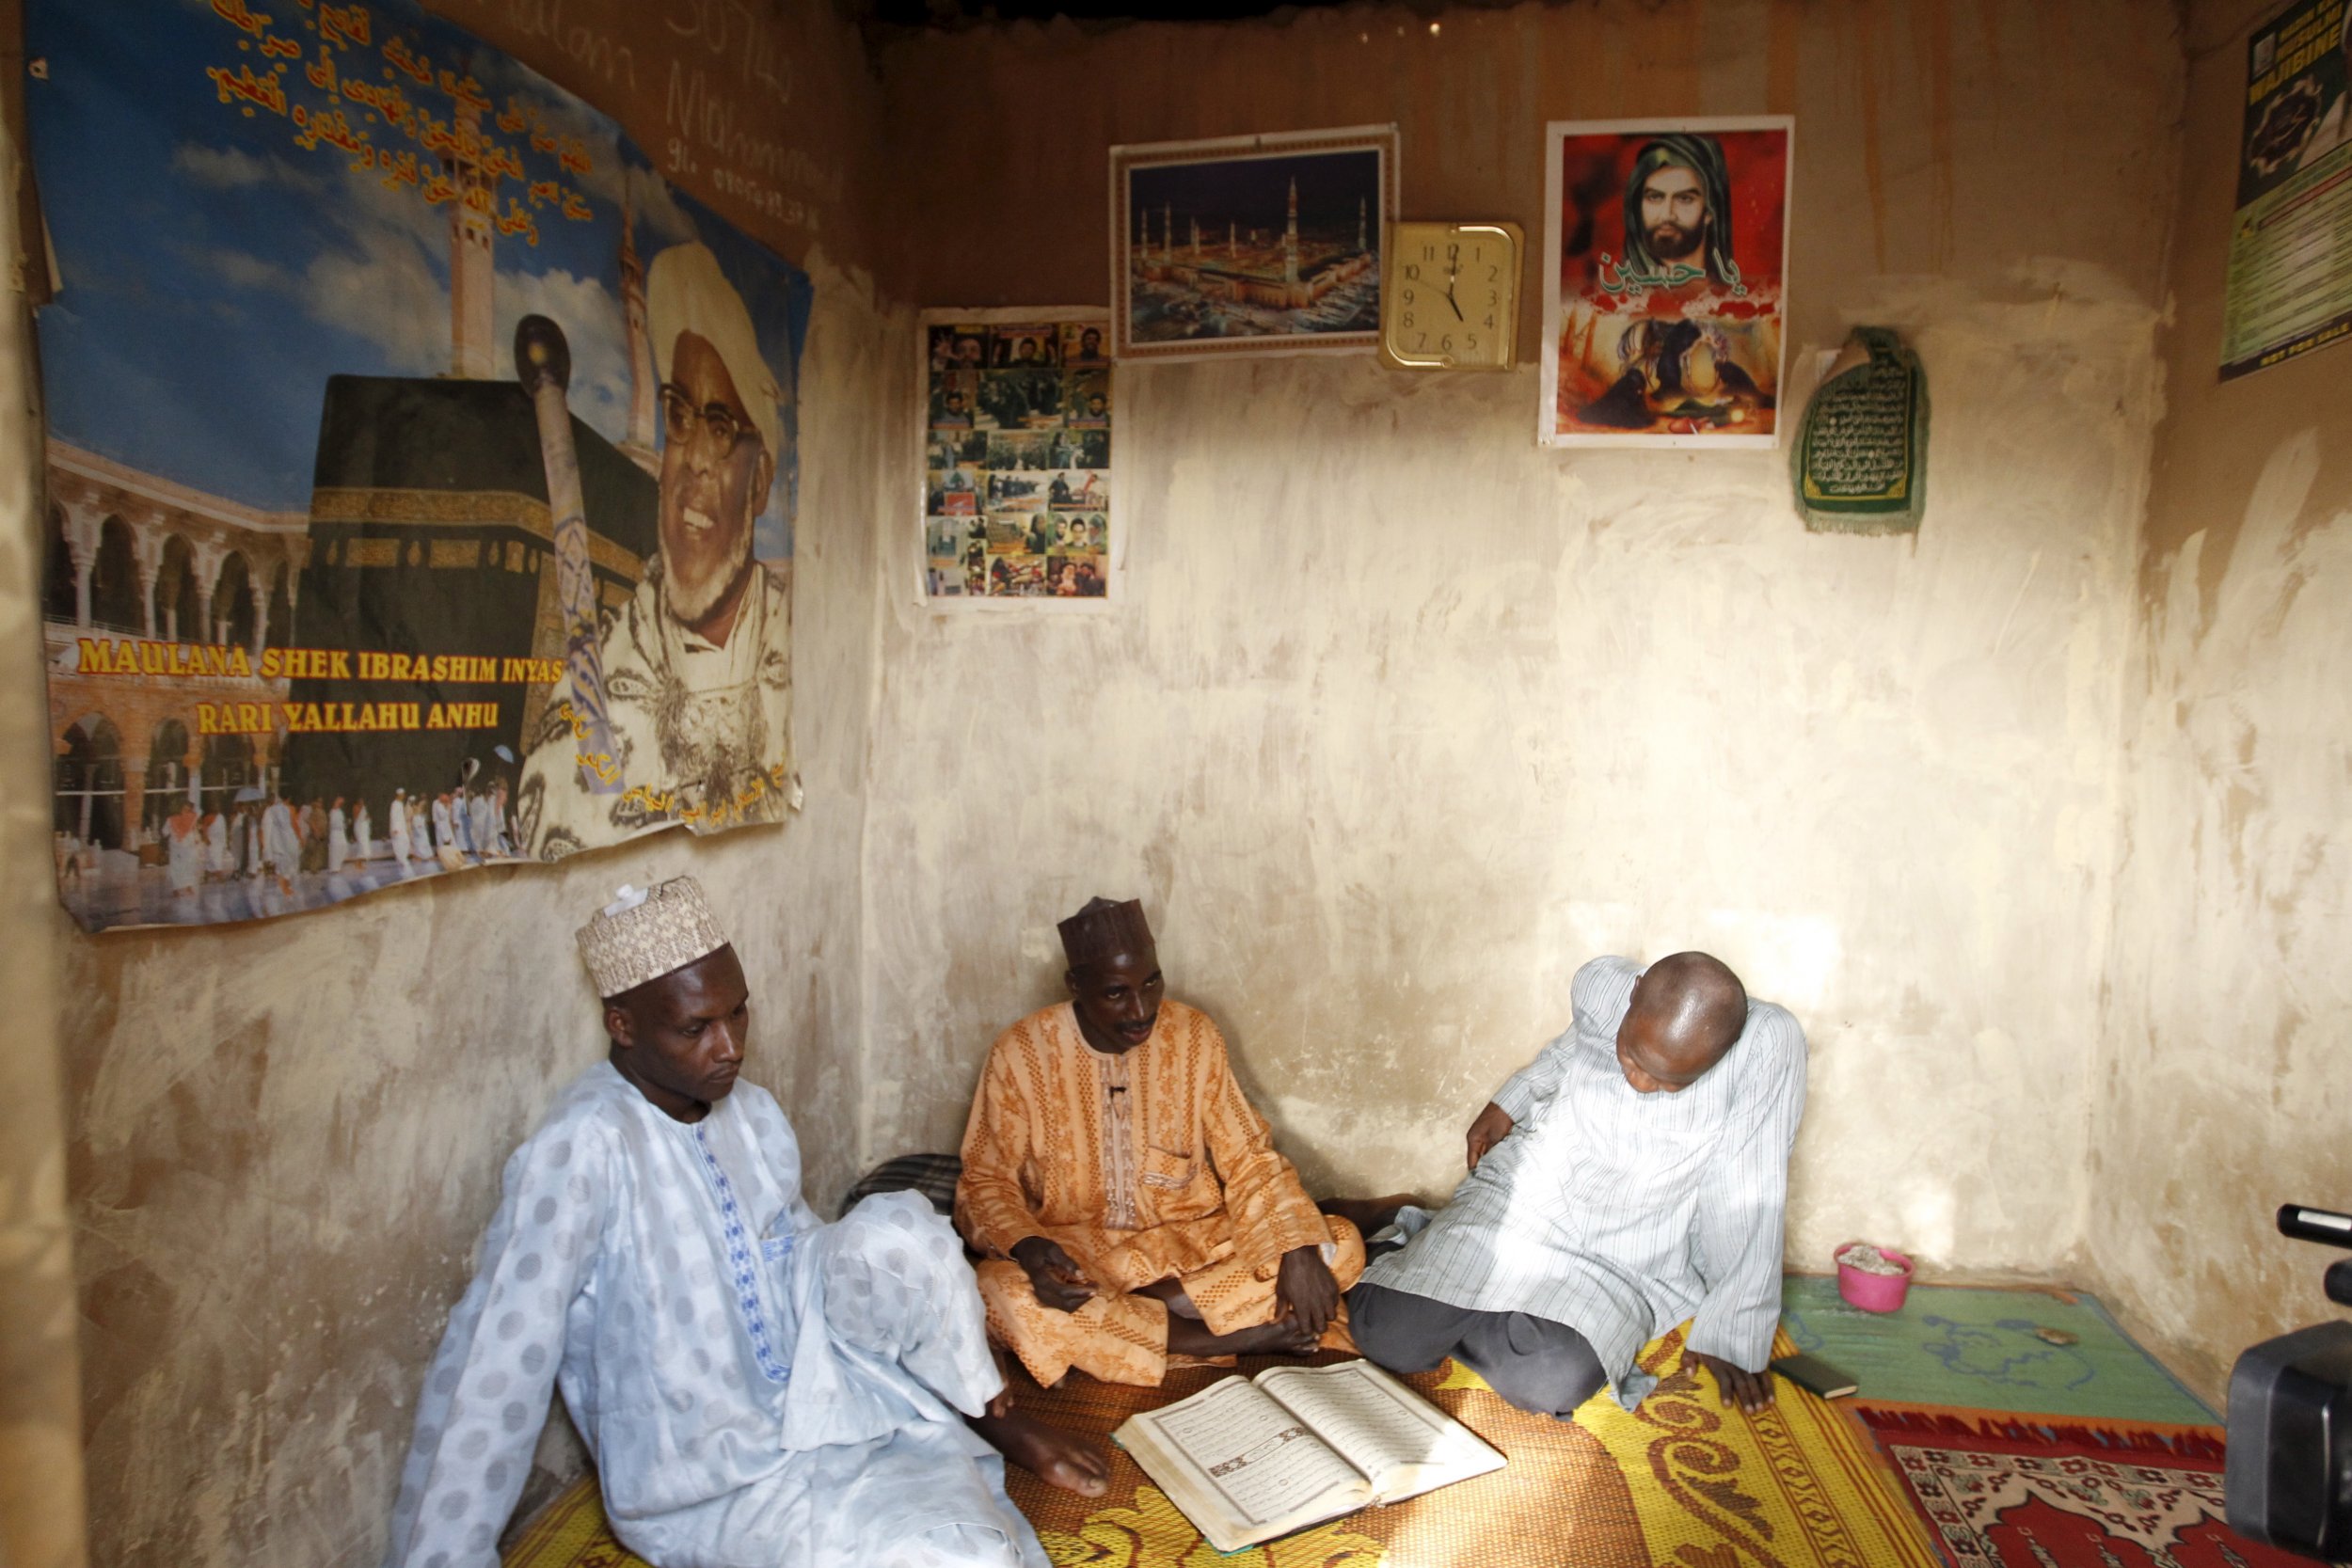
(1248, 1459)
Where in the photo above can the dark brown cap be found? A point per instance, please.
(1103, 930)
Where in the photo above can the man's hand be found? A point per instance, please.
(1493, 1125)
(1053, 1274)
(1304, 1291)
(1750, 1391)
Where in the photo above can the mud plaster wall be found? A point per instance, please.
(286, 1137)
(2224, 1085)
(1406, 719)
(40, 1422)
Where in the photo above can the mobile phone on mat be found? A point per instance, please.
(1812, 1373)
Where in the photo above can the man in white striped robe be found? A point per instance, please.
(1634, 1175)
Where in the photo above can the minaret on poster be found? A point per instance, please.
(642, 387)
(470, 272)
(1290, 240)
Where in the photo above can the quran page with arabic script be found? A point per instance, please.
(1247, 1460)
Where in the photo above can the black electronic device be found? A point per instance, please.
(1812, 1373)
(2288, 1482)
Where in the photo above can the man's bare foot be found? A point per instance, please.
(1186, 1337)
(1058, 1458)
(1369, 1215)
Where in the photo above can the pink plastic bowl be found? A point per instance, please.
(1874, 1292)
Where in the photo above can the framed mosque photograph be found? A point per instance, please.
(1665, 264)
(1250, 245)
(1020, 503)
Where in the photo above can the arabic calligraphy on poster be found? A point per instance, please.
(1665, 256)
(422, 465)
(451, 158)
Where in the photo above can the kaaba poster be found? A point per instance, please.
(421, 465)
(1665, 259)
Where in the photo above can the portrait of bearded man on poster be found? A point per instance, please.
(697, 661)
(1677, 213)
(1666, 322)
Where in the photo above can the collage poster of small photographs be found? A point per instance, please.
(1018, 482)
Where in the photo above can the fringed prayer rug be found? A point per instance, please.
(2054, 1353)
(1680, 1483)
(2004, 1491)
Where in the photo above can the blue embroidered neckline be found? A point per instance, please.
(739, 1260)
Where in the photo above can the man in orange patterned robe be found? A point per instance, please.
(1129, 1201)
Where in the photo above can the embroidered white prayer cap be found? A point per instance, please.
(685, 291)
(643, 935)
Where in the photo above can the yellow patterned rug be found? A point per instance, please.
(1680, 1483)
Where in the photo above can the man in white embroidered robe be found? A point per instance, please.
(697, 664)
(1634, 1175)
(756, 1387)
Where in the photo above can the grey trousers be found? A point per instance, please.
(1538, 1365)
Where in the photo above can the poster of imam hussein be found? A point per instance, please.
(421, 465)
(1665, 258)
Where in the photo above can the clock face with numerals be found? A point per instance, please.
(1450, 300)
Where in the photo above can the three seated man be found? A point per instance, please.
(758, 1386)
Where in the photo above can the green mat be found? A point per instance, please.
(1976, 1348)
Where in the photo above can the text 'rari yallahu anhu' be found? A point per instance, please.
(341, 718)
